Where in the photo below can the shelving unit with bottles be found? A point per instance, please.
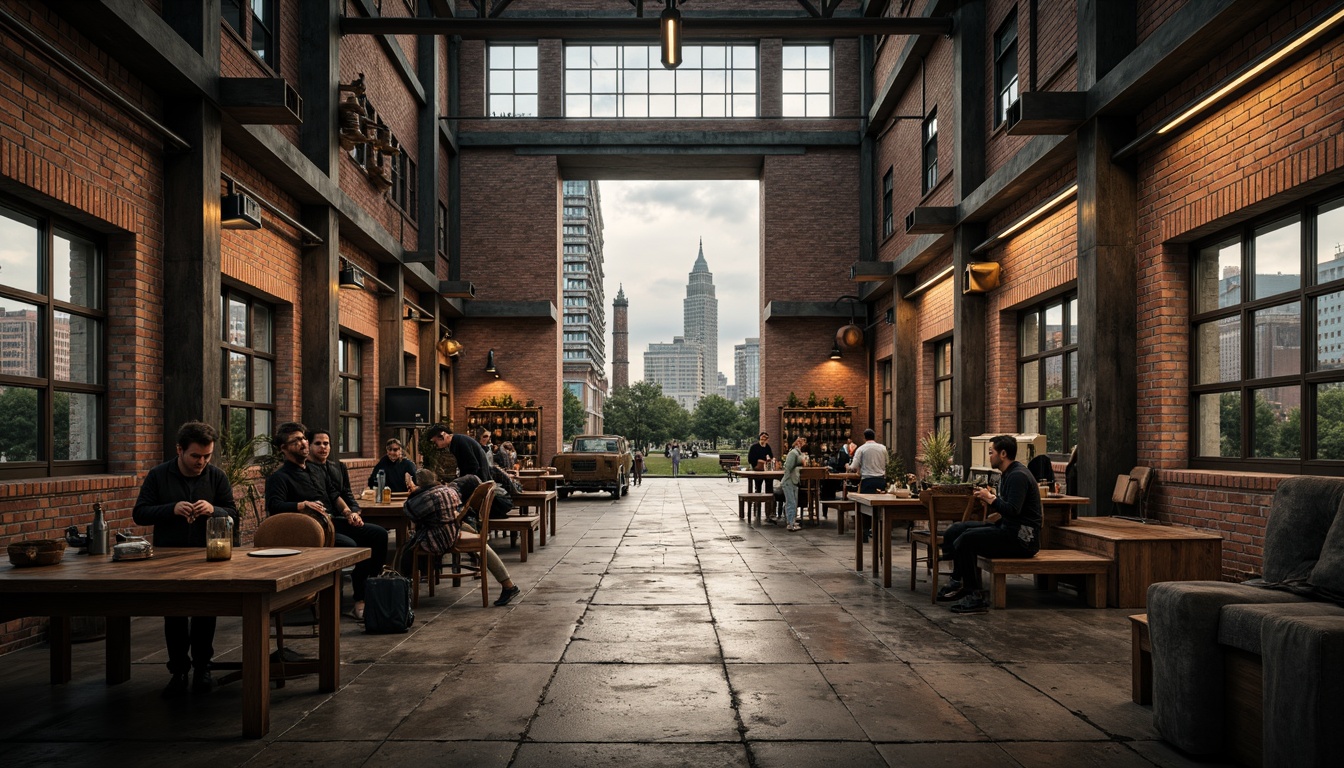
(826, 429)
(520, 426)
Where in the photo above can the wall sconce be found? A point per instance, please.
(835, 352)
(351, 278)
(669, 30)
(417, 314)
(239, 211)
(449, 346)
(490, 364)
(849, 336)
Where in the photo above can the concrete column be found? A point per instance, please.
(904, 367)
(319, 72)
(319, 376)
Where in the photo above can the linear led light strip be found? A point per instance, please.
(1269, 61)
(1030, 217)
(927, 284)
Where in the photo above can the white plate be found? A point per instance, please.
(273, 552)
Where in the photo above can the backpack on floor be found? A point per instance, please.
(387, 603)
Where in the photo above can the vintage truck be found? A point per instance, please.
(595, 463)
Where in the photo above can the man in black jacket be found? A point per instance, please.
(345, 516)
(1012, 528)
(396, 468)
(470, 456)
(177, 498)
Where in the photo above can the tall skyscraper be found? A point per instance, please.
(678, 368)
(585, 327)
(701, 320)
(620, 341)
(747, 369)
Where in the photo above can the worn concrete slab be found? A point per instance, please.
(892, 703)
(662, 634)
(625, 755)
(640, 702)
(491, 702)
(788, 702)
(1004, 707)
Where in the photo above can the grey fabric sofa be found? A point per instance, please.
(1289, 618)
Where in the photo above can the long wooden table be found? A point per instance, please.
(180, 582)
(1143, 554)
(883, 509)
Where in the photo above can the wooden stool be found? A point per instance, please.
(842, 509)
(757, 502)
(1140, 660)
(518, 524)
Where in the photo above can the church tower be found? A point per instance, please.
(620, 341)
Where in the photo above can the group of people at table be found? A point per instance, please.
(1013, 514)
(180, 495)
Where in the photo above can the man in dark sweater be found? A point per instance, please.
(345, 515)
(298, 486)
(1012, 528)
(761, 451)
(177, 498)
(470, 456)
(396, 468)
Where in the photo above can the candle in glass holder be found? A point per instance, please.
(219, 538)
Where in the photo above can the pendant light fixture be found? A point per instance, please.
(669, 30)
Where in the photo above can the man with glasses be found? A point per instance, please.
(396, 468)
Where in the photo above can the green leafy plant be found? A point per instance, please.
(812, 400)
(238, 454)
(792, 401)
(937, 448)
(895, 469)
(838, 401)
(500, 401)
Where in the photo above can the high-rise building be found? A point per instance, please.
(620, 341)
(678, 368)
(747, 369)
(585, 327)
(700, 315)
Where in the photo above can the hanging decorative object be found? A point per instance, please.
(448, 346)
(350, 114)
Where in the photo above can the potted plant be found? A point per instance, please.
(897, 479)
(937, 448)
(237, 455)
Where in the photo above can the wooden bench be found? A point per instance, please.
(514, 525)
(1140, 660)
(843, 508)
(758, 502)
(1049, 562)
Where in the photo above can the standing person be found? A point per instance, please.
(637, 466)
(793, 464)
(850, 448)
(676, 459)
(1011, 529)
(395, 467)
(298, 486)
(177, 498)
(434, 508)
(470, 456)
(345, 516)
(870, 461)
(761, 452)
(507, 458)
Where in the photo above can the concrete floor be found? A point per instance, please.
(658, 630)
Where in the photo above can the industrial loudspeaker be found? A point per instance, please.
(980, 277)
(406, 407)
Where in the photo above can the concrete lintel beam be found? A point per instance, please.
(930, 219)
(517, 310)
(871, 271)
(1050, 113)
(776, 310)
(260, 100)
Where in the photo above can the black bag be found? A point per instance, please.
(387, 603)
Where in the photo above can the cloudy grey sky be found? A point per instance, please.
(652, 231)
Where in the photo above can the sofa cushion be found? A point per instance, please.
(1303, 690)
(1302, 514)
(1327, 576)
(1239, 626)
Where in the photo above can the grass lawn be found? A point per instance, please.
(658, 464)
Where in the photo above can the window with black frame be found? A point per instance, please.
(942, 386)
(349, 365)
(1267, 340)
(888, 226)
(247, 398)
(1047, 365)
(930, 177)
(1005, 67)
(887, 412)
(52, 348)
(261, 33)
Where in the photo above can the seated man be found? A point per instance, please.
(434, 508)
(1011, 529)
(394, 466)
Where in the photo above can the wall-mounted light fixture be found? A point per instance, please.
(669, 31)
(849, 336)
(238, 211)
(1027, 218)
(927, 284)
(836, 354)
(490, 364)
(351, 278)
(416, 312)
(449, 346)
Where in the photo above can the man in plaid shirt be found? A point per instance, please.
(435, 508)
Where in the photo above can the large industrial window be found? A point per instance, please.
(1267, 335)
(807, 81)
(630, 81)
(52, 326)
(1005, 67)
(1047, 364)
(264, 18)
(247, 399)
(513, 80)
(942, 386)
(350, 396)
(888, 226)
(887, 413)
(930, 153)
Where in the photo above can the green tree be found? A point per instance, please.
(670, 421)
(749, 420)
(576, 418)
(715, 417)
(633, 412)
(1329, 422)
(18, 423)
(1229, 424)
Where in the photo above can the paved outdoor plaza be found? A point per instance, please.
(656, 630)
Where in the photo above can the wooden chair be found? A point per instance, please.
(466, 544)
(809, 490)
(287, 529)
(942, 508)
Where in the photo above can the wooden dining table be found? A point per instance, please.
(883, 509)
(181, 582)
(392, 517)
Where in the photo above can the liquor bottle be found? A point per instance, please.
(98, 531)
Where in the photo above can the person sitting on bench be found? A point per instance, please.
(1012, 528)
